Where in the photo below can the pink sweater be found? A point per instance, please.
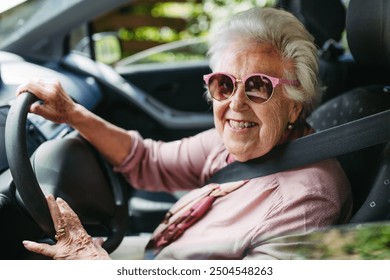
(247, 223)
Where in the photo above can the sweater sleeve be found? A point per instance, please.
(168, 166)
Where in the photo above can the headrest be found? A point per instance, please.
(368, 32)
(325, 20)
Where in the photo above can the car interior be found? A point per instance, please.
(38, 156)
(355, 86)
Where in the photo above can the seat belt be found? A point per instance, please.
(329, 143)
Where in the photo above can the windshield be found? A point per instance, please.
(18, 17)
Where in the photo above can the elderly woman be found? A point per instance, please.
(262, 86)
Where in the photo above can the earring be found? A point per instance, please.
(290, 126)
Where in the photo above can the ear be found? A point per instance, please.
(295, 112)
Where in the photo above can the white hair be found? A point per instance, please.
(288, 36)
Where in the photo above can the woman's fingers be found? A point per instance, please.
(73, 241)
(35, 87)
(64, 218)
(55, 104)
(43, 89)
(55, 213)
(40, 248)
(37, 108)
(71, 218)
(98, 242)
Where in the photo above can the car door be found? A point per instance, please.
(178, 85)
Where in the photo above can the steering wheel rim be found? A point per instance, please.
(20, 166)
(27, 184)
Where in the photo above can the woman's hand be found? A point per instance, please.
(113, 142)
(55, 105)
(73, 242)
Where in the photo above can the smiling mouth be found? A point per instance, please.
(241, 124)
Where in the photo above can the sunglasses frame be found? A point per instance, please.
(274, 82)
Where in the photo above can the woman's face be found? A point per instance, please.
(248, 129)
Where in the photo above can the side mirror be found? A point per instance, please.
(108, 48)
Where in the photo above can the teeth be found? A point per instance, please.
(241, 125)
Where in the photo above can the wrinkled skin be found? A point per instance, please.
(75, 244)
(56, 104)
(270, 119)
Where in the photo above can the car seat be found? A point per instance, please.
(314, 14)
(326, 21)
(368, 33)
(328, 33)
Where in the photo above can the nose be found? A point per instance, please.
(238, 102)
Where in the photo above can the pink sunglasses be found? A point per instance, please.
(259, 88)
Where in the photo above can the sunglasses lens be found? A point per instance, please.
(220, 86)
(258, 88)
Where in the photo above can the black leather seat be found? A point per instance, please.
(328, 33)
(368, 33)
(314, 14)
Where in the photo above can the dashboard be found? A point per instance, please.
(14, 70)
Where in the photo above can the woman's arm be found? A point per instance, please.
(113, 142)
(176, 165)
(110, 140)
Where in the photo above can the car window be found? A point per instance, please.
(194, 49)
(165, 32)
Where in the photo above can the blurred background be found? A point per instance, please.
(145, 24)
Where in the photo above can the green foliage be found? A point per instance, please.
(372, 243)
(363, 242)
(185, 10)
(199, 17)
(219, 10)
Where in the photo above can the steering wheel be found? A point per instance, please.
(27, 184)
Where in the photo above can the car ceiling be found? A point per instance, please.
(45, 41)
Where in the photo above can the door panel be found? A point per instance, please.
(179, 86)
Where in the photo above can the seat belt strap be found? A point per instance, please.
(329, 143)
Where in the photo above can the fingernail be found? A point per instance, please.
(26, 242)
(50, 197)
